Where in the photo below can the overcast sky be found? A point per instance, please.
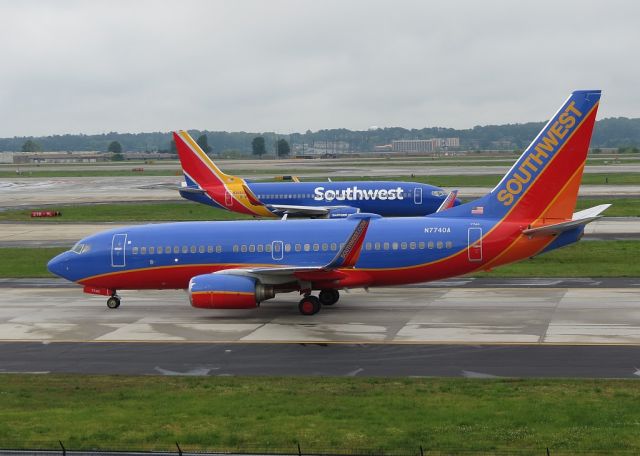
(284, 66)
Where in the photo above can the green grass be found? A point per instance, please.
(138, 212)
(26, 262)
(91, 173)
(620, 207)
(584, 259)
(338, 414)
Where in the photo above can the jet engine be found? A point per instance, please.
(227, 291)
(342, 212)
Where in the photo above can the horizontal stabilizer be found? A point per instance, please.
(449, 201)
(579, 219)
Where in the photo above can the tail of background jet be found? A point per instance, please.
(542, 186)
(198, 168)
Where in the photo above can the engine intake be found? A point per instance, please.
(226, 291)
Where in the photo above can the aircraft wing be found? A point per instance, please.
(579, 219)
(346, 258)
(312, 211)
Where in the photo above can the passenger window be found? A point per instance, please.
(143, 250)
(243, 248)
(260, 248)
(267, 248)
(298, 247)
(176, 249)
(386, 246)
(235, 248)
(287, 247)
(152, 250)
(376, 246)
(134, 250)
(325, 246)
(430, 244)
(449, 244)
(334, 246)
(421, 245)
(252, 248)
(201, 249)
(412, 245)
(276, 247)
(185, 249)
(193, 249)
(316, 247)
(307, 247)
(403, 246)
(394, 246)
(439, 244)
(209, 249)
(368, 246)
(160, 251)
(218, 249)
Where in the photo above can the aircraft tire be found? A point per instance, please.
(309, 305)
(113, 302)
(329, 296)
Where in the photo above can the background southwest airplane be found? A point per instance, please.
(233, 265)
(206, 184)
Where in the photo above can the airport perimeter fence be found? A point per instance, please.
(62, 450)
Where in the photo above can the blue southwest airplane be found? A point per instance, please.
(205, 183)
(233, 265)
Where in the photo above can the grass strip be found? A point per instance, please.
(322, 414)
(584, 259)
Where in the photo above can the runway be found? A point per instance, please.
(417, 315)
(464, 327)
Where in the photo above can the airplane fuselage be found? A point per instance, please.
(386, 198)
(394, 251)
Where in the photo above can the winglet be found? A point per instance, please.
(449, 201)
(350, 252)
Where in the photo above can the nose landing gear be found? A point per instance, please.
(113, 302)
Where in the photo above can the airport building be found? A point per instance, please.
(424, 145)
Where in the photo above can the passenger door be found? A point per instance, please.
(474, 246)
(118, 253)
(417, 195)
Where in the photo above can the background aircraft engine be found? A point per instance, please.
(342, 212)
(226, 291)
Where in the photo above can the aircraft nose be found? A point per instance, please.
(59, 265)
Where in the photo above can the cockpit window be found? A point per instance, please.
(81, 247)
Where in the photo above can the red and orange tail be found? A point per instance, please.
(196, 165)
(229, 192)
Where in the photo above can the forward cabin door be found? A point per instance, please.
(474, 238)
(118, 244)
(228, 199)
(417, 195)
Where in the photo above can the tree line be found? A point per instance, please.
(620, 132)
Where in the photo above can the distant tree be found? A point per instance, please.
(282, 147)
(172, 147)
(31, 146)
(117, 157)
(204, 144)
(257, 146)
(115, 147)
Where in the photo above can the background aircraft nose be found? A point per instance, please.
(58, 265)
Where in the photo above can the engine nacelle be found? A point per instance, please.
(342, 212)
(226, 291)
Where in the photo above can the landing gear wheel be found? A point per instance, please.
(113, 302)
(309, 305)
(329, 296)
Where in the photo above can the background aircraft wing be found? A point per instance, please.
(312, 211)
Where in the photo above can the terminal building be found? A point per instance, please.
(424, 145)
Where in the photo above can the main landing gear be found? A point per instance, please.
(113, 302)
(310, 305)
